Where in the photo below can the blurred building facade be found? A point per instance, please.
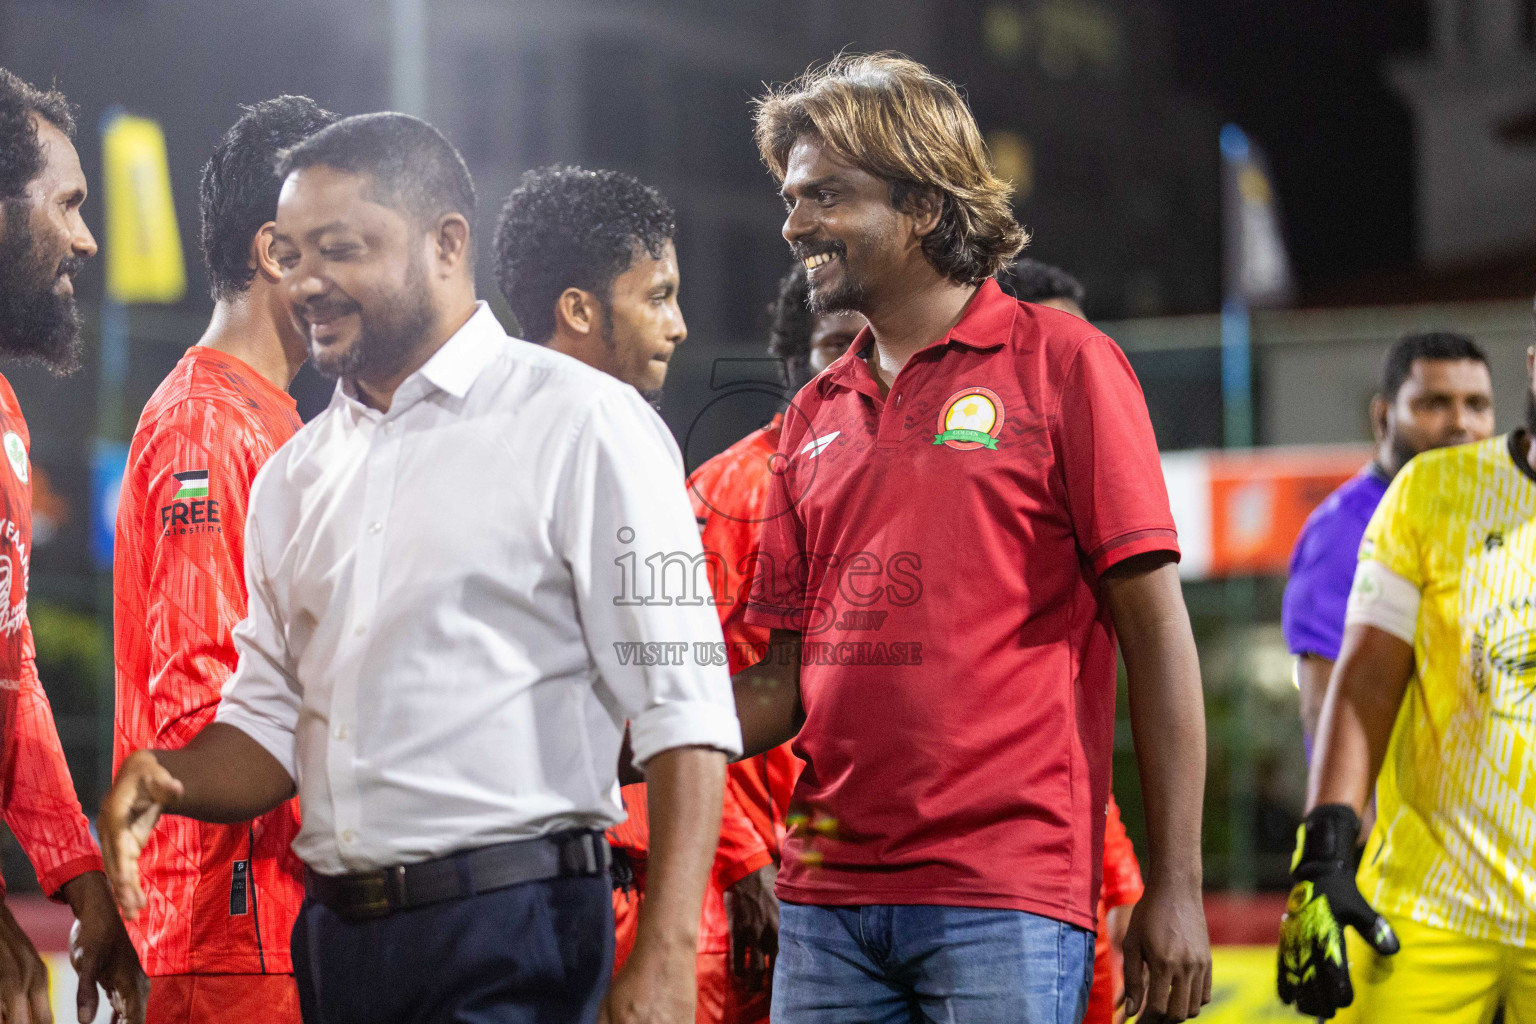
(1474, 103)
(1116, 167)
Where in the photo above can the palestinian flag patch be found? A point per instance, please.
(194, 484)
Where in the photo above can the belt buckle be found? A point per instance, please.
(579, 855)
(365, 897)
(394, 887)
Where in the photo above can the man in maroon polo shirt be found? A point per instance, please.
(970, 511)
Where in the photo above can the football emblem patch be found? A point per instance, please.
(970, 419)
(16, 452)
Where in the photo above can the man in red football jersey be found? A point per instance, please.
(222, 898)
(586, 261)
(43, 244)
(729, 494)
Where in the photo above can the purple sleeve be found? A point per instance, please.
(1323, 570)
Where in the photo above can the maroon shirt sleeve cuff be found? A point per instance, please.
(1138, 542)
(774, 616)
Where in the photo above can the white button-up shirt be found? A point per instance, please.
(452, 615)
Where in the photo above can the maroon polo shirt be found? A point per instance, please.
(940, 551)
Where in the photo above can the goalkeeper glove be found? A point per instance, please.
(1314, 970)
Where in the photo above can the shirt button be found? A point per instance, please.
(375, 527)
(360, 630)
(342, 732)
(348, 836)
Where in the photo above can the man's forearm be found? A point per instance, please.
(226, 776)
(684, 792)
(1364, 696)
(768, 696)
(1167, 718)
(1168, 726)
(1312, 673)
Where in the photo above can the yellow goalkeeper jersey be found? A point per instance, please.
(1454, 845)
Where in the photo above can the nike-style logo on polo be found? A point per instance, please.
(816, 444)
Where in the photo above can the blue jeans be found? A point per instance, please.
(920, 964)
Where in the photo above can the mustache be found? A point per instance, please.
(69, 266)
(805, 250)
(334, 308)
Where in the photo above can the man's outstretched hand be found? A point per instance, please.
(142, 792)
(101, 953)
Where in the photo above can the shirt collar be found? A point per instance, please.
(988, 321)
(203, 353)
(451, 369)
(454, 367)
(986, 326)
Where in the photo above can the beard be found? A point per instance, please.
(652, 396)
(1401, 450)
(35, 321)
(847, 297)
(387, 334)
(1530, 413)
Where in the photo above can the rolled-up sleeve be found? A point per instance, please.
(625, 528)
(262, 696)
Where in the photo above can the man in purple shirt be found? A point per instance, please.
(1436, 391)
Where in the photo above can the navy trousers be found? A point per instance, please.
(537, 953)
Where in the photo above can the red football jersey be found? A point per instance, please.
(1122, 874)
(729, 495)
(221, 898)
(37, 796)
(1122, 885)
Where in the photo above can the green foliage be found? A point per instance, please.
(1255, 770)
(74, 657)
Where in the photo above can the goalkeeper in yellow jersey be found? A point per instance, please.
(1433, 700)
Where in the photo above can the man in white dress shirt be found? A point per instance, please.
(443, 643)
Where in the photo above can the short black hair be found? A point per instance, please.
(21, 153)
(415, 170)
(240, 185)
(1398, 364)
(791, 322)
(1032, 281)
(566, 227)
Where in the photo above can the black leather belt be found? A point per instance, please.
(374, 894)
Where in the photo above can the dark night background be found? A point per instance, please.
(1305, 77)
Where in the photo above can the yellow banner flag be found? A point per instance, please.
(144, 262)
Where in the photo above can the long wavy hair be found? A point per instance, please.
(893, 118)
